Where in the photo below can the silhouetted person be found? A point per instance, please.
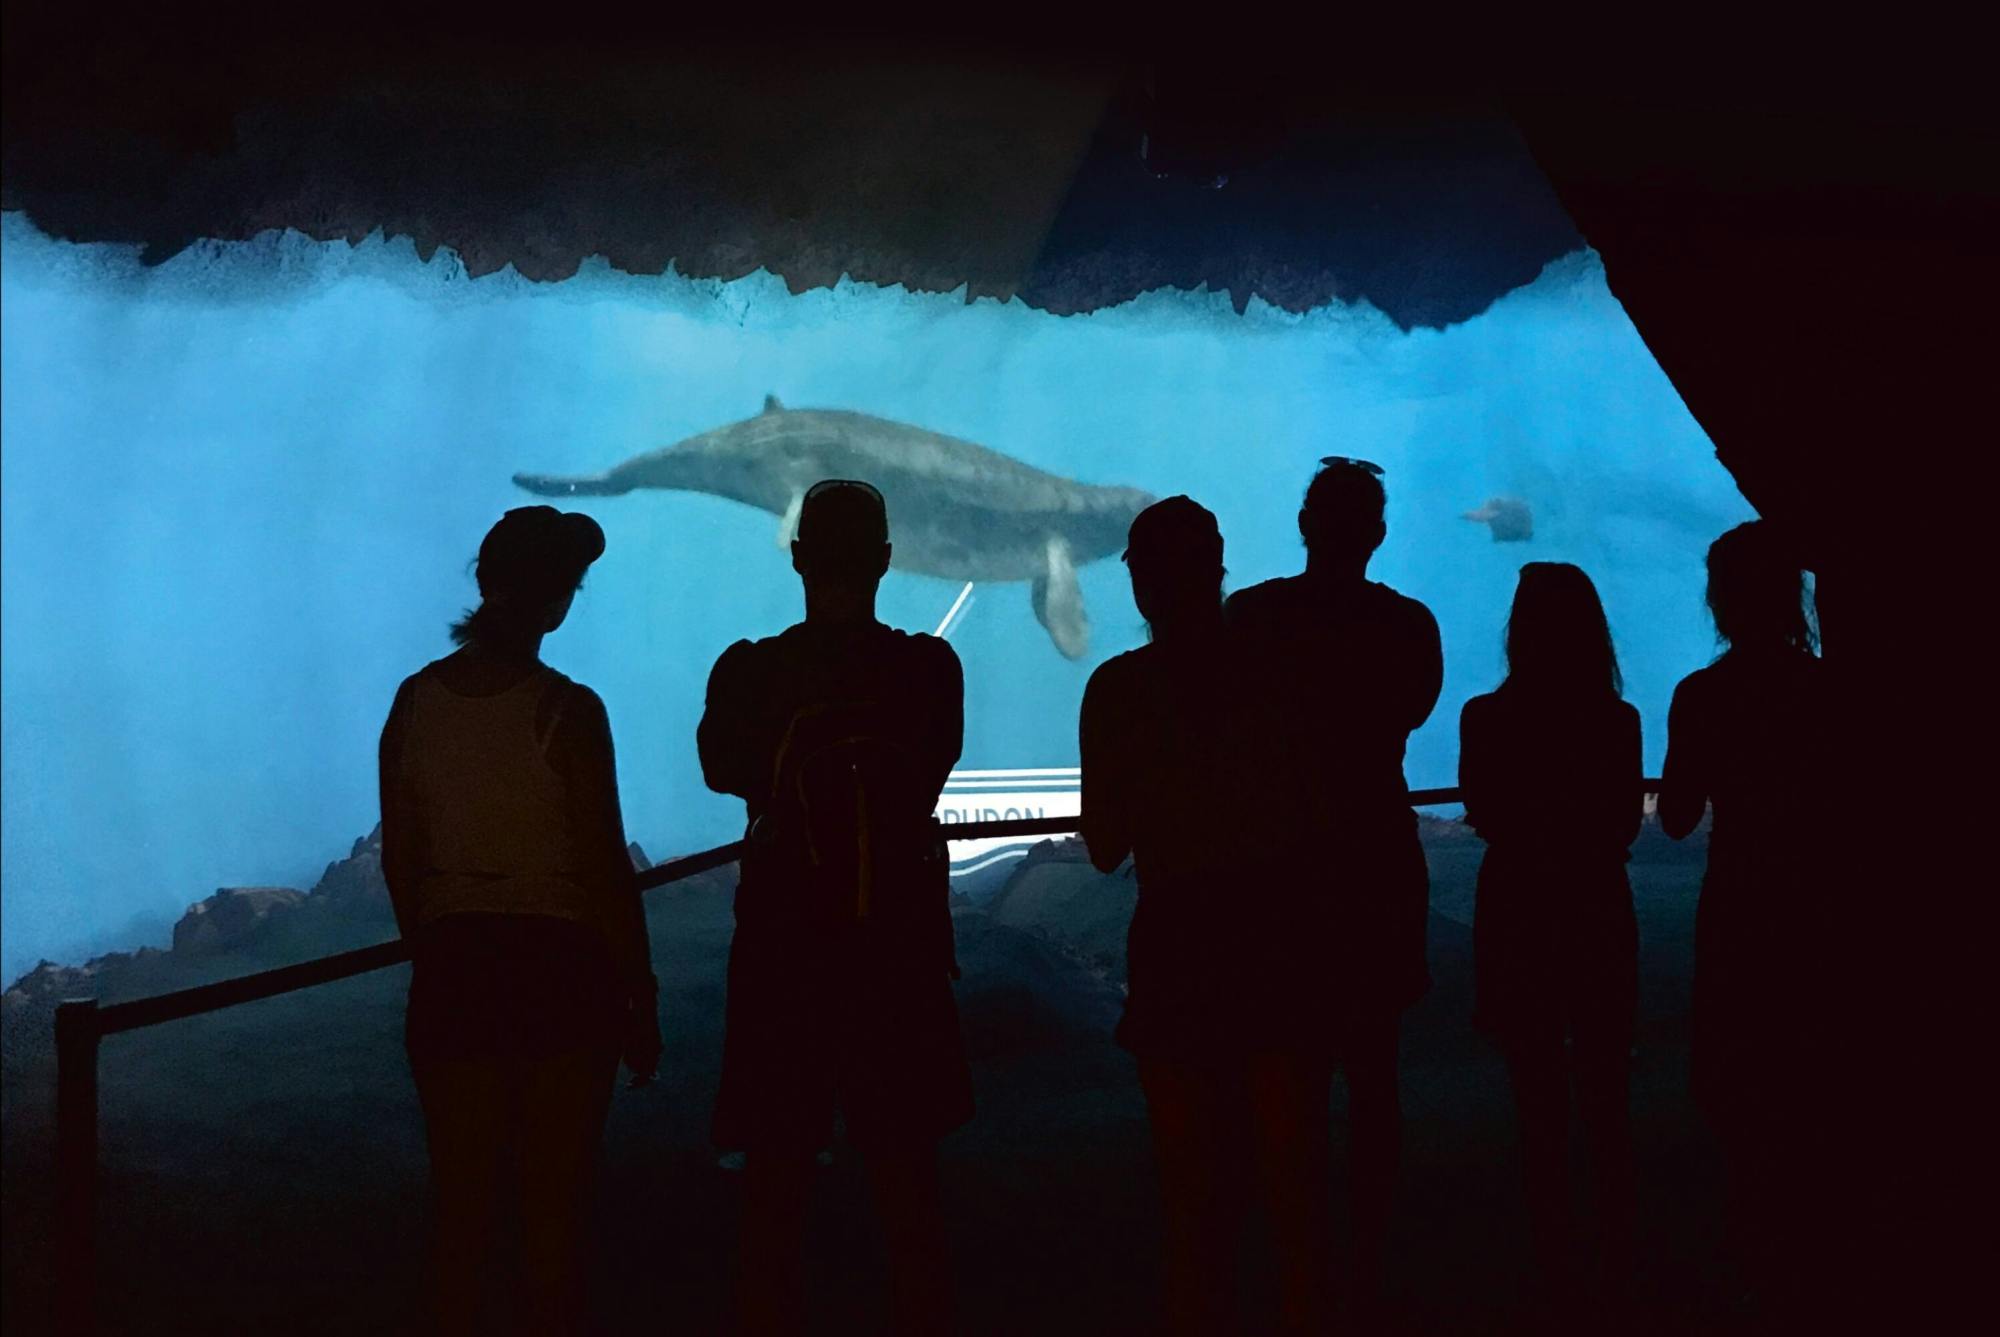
(1749, 736)
(505, 856)
(839, 734)
(1550, 768)
(1339, 670)
(1161, 769)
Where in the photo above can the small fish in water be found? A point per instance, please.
(1509, 518)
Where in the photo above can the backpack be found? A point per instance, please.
(849, 821)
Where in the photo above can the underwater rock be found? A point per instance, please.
(1443, 830)
(231, 916)
(355, 884)
(981, 884)
(1061, 849)
(48, 983)
(1024, 990)
(1069, 902)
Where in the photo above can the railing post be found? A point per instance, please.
(77, 1037)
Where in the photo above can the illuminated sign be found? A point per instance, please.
(1005, 796)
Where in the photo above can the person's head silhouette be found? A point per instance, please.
(842, 549)
(1341, 521)
(1558, 641)
(1174, 552)
(1757, 592)
(530, 566)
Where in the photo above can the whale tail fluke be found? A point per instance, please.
(555, 485)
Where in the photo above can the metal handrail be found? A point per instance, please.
(342, 965)
(81, 1026)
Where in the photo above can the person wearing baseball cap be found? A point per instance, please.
(1176, 534)
(505, 855)
(838, 734)
(530, 564)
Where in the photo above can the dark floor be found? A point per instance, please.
(263, 1166)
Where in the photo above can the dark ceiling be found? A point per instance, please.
(1072, 179)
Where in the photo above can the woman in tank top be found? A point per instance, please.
(505, 855)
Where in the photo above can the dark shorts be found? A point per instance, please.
(1284, 957)
(1188, 978)
(495, 986)
(819, 1023)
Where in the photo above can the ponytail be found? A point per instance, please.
(490, 624)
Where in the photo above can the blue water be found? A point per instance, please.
(242, 490)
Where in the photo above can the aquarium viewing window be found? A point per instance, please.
(242, 490)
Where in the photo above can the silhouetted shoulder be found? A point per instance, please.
(1119, 672)
(1266, 601)
(1403, 605)
(742, 654)
(1699, 682)
(743, 668)
(1693, 697)
(389, 748)
(428, 673)
(403, 692)
(934, 654)
(1478, 713)
(1284, 597)
(1113, 698)
(1410, 616)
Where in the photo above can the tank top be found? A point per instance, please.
(496, 817)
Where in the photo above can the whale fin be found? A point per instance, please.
(771, 404)
(1058, 602)
(788, 523)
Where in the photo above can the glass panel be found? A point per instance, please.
(242, 490)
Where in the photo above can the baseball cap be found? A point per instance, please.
(843, 513)
(1178, 528)
(536, 546)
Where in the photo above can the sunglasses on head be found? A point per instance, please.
(1368, 466)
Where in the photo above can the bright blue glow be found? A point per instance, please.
(241, 492)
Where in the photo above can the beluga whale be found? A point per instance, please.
(1508, 517)
(958, 511)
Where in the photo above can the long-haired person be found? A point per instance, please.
(1160, 756)
(1748, 738)
(1550, 768)
(505, 856)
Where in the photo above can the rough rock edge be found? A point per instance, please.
(219, 924)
